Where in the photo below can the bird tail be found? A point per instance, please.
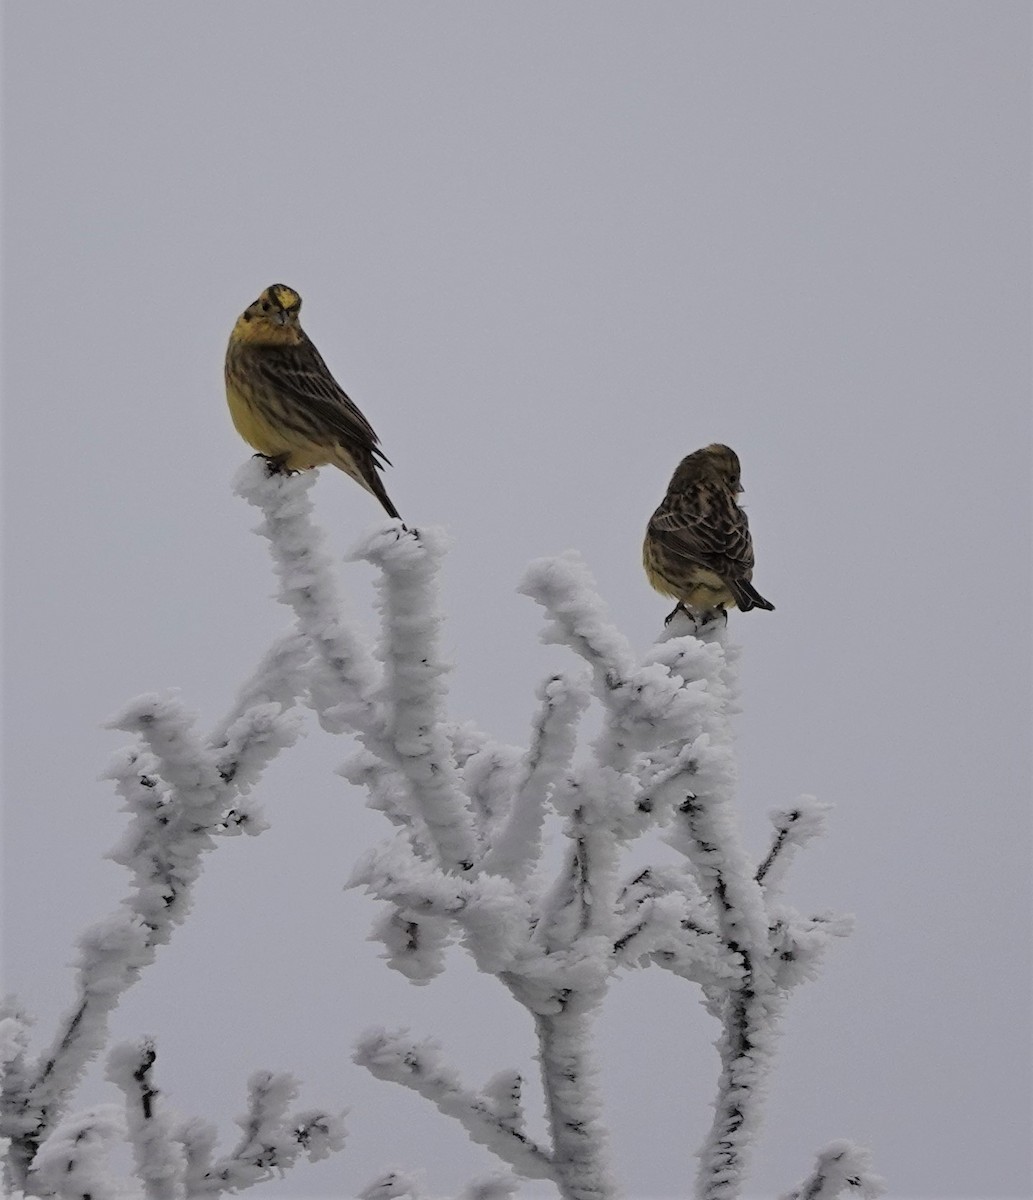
(376, 486)
(747, 596)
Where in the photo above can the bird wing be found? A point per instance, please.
(703, 524)
(301, 375)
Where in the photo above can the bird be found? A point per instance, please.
(698, 547)
(285, 403)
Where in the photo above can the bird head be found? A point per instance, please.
(724, 462)
(716, 462)
(278, 306)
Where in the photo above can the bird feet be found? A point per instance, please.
(276, 464)
(701, 622)
(678, 608)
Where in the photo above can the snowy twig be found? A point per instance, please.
(182, 792)
(408, 602)
(798, 943)
(407, 735)
(497, 1186)
(668, 924)
(599, 799)
(776, 950)
(841, 1168)
(282, 677)
(580, 1154)
(392, 1185)
(272, 1139)
(19, 1121)
(174, 1158)
(73, 1162)
(343, 690)
(517, 846)
(111, 955)
(566, 590)
(419, 1066)
(488, 910)
(161, 1162)
(794, 828)
(705, 830)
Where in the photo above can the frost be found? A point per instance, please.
(465, 864)
(842, 1168)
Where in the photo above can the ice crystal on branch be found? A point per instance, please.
(842, 1169)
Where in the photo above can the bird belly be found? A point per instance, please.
(255, 428)
(275, 440)
(704, 590)
(295, 451)
(654, 573)
(696, 586)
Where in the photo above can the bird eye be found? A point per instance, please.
(265, 306)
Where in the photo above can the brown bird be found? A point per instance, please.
(285, 403)
(698, 547)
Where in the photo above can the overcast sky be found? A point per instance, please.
(549, 248)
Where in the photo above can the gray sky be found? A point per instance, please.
(549, 248)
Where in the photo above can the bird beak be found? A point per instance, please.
(281, 317)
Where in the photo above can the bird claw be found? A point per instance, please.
(678, 608)
(705, 620)
(276, 465)
(701, 622)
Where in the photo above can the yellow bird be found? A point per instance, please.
(285, 403)
(698, 547)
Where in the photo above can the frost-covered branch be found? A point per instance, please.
(517, 845)
(183, 792)
(282, 678)
(344, 687)
(349, 690)
(419, 1065)
(842, 1168)
(174, 1157)
(497, 1186)
(578, 619)
(403, 1185)
(799, 944)
(665, 754)
(466, 864)
(705, 830)
(573, 1104)
(73, 1162)
(160, 1159)
(794, 828)
(668, 748)
(392, 1185)
(605, 800)
(666, 922)
(272, 1138)
(488, 911)
(410, 614)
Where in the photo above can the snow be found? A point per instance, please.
(464, 864)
